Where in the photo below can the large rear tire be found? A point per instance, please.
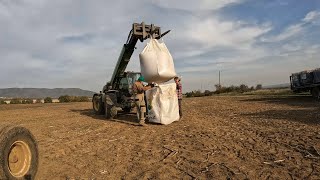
(97, 105)
(19, 153)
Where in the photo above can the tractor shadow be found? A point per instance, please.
(125, 118)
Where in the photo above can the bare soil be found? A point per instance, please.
(231, 137)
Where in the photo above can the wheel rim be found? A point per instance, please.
(19, 159)
(96, 104)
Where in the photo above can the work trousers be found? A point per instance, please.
(141, 107)
(180, 110)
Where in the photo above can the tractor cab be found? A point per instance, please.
(126, 83)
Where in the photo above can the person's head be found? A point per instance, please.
(177, 79)
(141, 79)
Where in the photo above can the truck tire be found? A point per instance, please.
(19, 153)
(97, 105)
(315, 93)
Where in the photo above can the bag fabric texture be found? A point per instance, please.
(162, 104)
(156, 62)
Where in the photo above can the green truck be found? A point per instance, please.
(306, 81)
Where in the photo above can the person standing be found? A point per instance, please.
(139, 89)
(179, 93)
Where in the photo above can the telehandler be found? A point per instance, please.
(117, 94)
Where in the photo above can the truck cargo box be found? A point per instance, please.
(316, 76)
(306, 77)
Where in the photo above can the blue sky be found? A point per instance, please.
(76, 43)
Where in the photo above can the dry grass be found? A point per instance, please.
(270, 92)
(267, 92)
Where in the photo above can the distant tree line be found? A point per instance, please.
(67, 98)
(2, 101)
(198, 93)
(224, 89)
(21, 101)
(62, 99)
(239, 89)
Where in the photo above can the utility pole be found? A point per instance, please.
(219, 79)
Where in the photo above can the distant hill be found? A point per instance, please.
(43, 92)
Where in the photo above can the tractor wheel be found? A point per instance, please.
(111, 110)
(108, 112)
(19, 153)
(97, 105)
(315, 93)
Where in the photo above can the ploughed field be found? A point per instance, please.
(219, 137)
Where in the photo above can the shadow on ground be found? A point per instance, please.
(126, 118)
(301, 101)
(307, 116)
(307, 109)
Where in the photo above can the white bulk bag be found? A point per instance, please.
(162, 104)
(156, 62)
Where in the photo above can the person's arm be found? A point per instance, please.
(178, 86)
(134, 88)
(141, 88)
(146, 87)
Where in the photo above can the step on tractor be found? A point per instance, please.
(18, 153)
(117, 96)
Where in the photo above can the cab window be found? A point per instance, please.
(123, 83)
